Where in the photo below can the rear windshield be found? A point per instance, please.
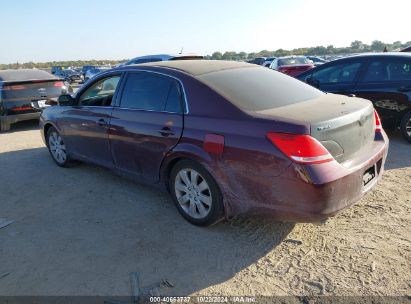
(257, 88)
(22, 75)
(293, 61)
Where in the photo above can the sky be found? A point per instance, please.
(50, 30)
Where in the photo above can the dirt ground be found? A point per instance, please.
(84, 230)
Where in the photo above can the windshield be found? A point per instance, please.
(257, 89)
(293, 61)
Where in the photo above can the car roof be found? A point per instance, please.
(24, 74)
(196, 67)
(166, 56)
(292, 56)
(378, 54)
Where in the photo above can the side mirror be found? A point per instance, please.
(66, 100)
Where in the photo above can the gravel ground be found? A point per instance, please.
(83, 230)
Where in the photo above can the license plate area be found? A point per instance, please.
(369, 175)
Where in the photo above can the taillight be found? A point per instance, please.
(378, 126)
(59, 84)
(302, 149)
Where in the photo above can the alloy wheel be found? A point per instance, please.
(57, 147)
(193, 193)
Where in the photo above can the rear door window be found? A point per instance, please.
(341, 73)
(382, 71)
(151, 92)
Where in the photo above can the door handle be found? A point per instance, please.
(101, 122)
(404, 89)
(166, 131)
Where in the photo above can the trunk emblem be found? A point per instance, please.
(324, 128)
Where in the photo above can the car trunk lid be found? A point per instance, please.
(30, 95)
(343, 125)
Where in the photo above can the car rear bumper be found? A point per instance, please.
(314, 193)
(11, 119)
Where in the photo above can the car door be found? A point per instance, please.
(387, 83)
(338, 77)
(86, 124)
(147, 123)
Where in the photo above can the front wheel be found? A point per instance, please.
(57, 148)
(195, 193)
(405, 126)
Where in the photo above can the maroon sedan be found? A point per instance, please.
(292, 65)
(223, 138)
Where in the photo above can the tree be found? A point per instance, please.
(217, 56)
(377, 45)
(357, 44)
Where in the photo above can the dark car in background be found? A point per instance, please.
(383, 78)
(406, 49)
(224, 138)
(70, 76)
(258, 60)
(86, 68)
(162, 57)
(268, 61)
(94, 71)
(292, 65)
(57, 68)
(24, 93)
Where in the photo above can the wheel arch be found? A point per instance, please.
(198, 155)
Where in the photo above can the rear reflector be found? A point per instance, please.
(59, 84)
(378, 126)
(22, 108)
(302, 149)
(14, 87)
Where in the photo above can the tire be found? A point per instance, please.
(196, 193)
(57, 148)
(4, 126)
(405, 126)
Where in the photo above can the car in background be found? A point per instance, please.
(162, 57)
(85, 68)
(406, 49)
(317, 60)
(24, 93)
(383, 78)
(268, 62)
(224, 138)
(258, 60)
(70, 76)
(57, 68)
(93, 72)
(292, 65)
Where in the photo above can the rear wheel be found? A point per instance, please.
(57, 148)
(195, 193)
(405, 126)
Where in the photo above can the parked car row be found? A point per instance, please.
(383, 78)
(224, 138)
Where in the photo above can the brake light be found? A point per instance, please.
(378, 126)
(59, 84)
(302, 149)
